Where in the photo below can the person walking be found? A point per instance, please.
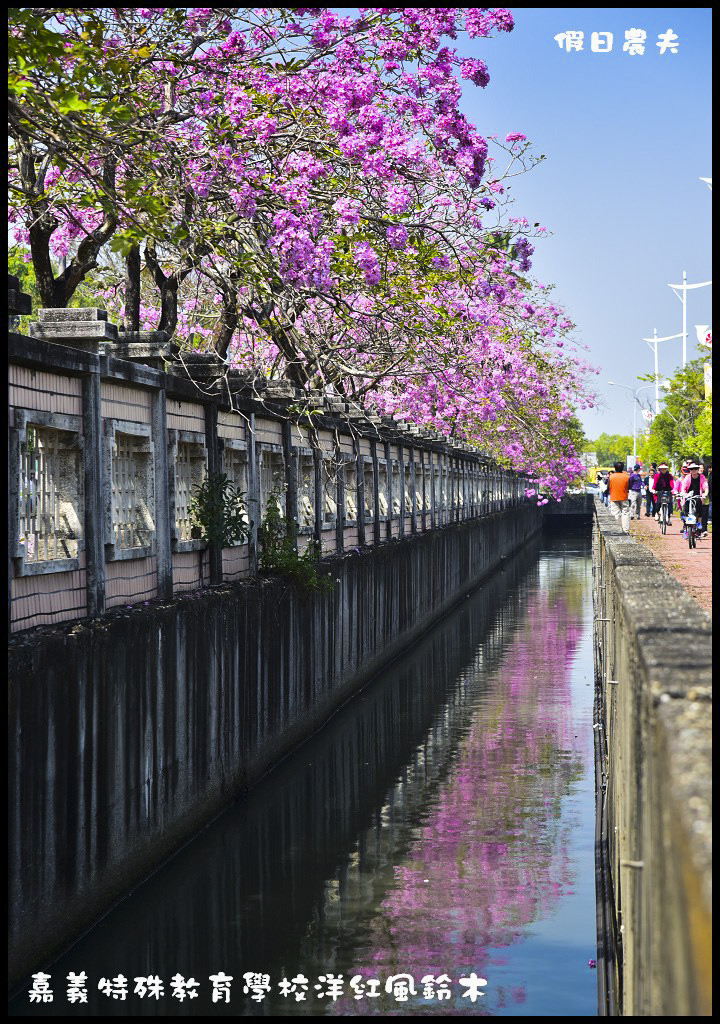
(635, 491)
(618, 489)
(604, 489)
(648, 482)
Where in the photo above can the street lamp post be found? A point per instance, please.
(685, 288)
(653, 343)
(635, 392)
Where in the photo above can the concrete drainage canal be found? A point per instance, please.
(430, 851)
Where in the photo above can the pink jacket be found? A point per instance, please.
(685, 487)
(658, 479)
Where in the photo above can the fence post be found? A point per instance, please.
(360, 477)
(94, 512)
(433, 470)
(19, 304)
(253, 501)
(376, 490)
(291, 475)
(319, 497)
(389, 482)
(213, 454)
(413, 485)
(163, 546)
(423, 523)
(339, 497)
(88, 330)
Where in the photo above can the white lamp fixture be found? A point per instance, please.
(636, 402)
(685, 288)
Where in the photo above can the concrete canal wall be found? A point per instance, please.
(653, 669)
(571, 512)
(131, 730)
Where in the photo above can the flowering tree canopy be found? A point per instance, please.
(308, 200)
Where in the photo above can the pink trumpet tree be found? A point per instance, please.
(308, 200)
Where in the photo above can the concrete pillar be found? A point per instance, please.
(340, 498)
(291, 475)
(376, 491)
(85, 329)
(163, 546)
(423, 489)
(19, 304)
(433, 503)
(461, 488)
(401, 485)
(360, 474)
(253, 497)
(92, 473)
(319, 497)
(413, 491)
(451, 490)
(386, 453)
(213, 454)
(447, 510)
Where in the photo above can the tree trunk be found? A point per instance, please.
(228, 322)
(168, 288)
(56, 292)
(132, 290)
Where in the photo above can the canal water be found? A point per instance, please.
(430, 852)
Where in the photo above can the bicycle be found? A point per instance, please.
(693, 527)
(664, 511)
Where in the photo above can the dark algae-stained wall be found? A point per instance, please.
(653, 666)
(131, 731)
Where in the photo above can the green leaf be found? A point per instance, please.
(72, 101)
(122, 243)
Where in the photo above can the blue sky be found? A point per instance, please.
(626, 139)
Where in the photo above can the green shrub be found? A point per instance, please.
(277, 535)
(217, 509)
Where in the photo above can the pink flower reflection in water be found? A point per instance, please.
(491, 855)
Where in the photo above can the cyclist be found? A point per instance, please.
(677, 491)
(708, 473)
(696, 483)
(662, 484)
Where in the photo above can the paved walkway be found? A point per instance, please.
(693, 569)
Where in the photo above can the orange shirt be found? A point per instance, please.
(618, 486)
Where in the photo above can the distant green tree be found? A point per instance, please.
(26, 276)
(576, 434)
(611, 448)
(684, 426)
(703, 425)
(87, 293)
